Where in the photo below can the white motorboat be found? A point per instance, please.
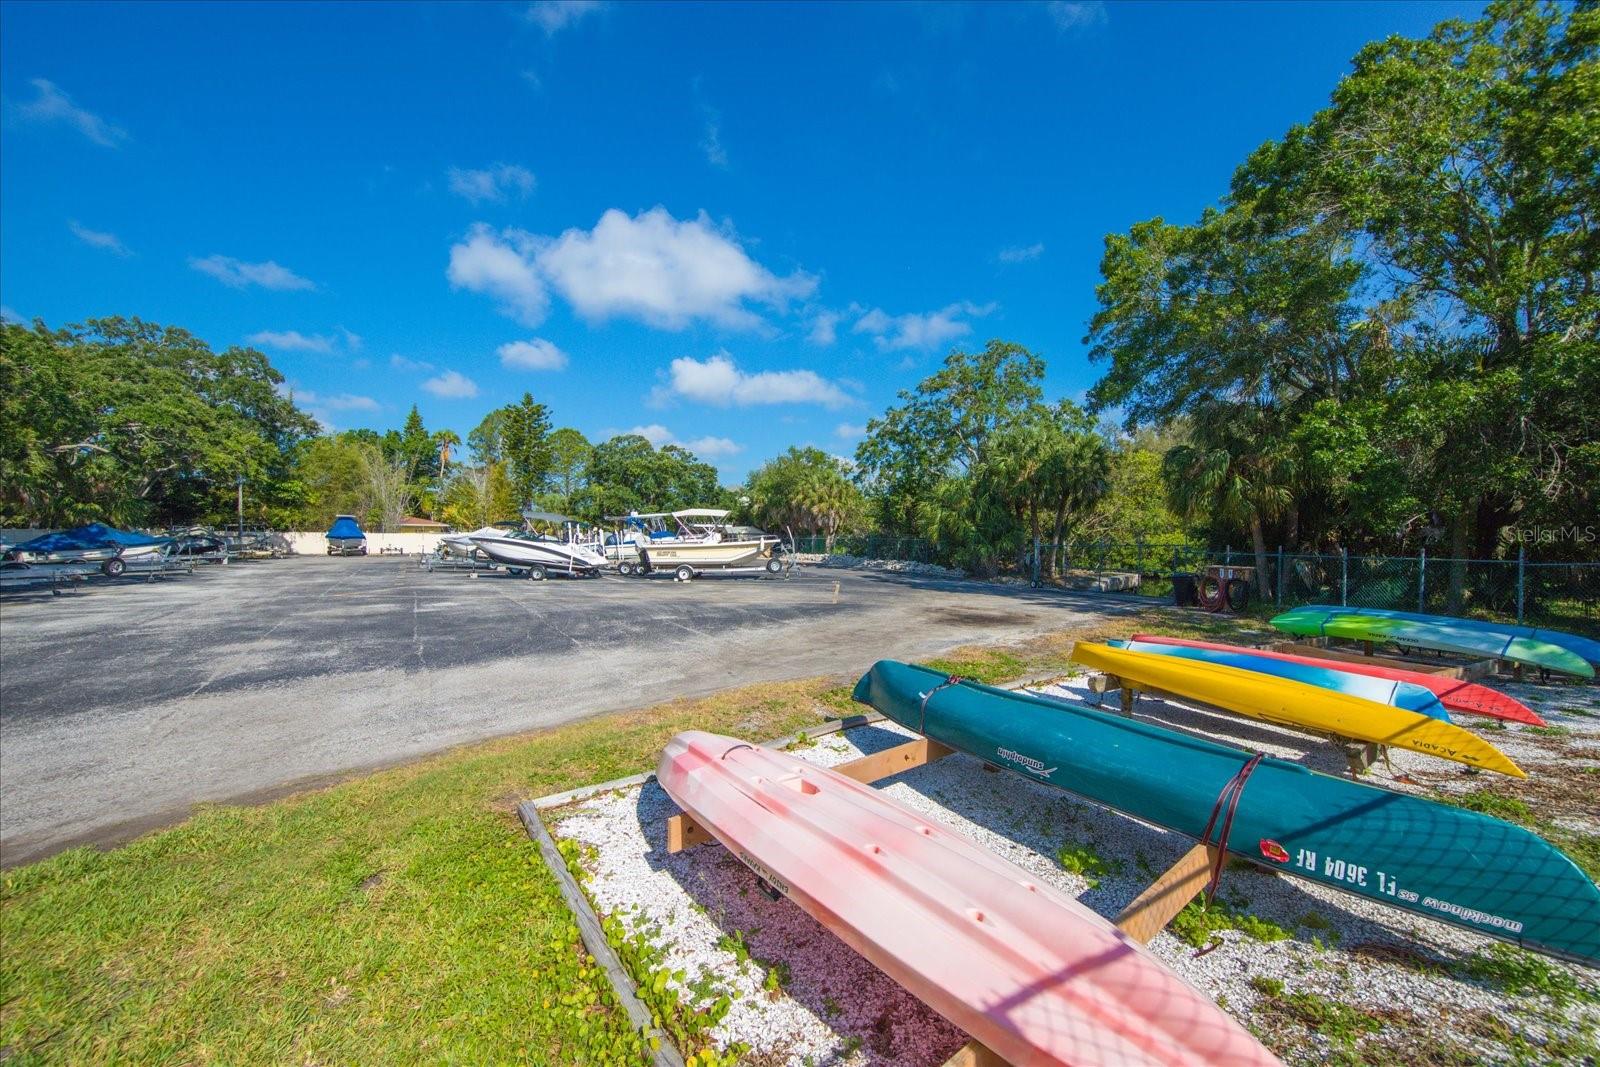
(538, 555)
(706, 541)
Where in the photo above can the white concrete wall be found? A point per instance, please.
(315, 542)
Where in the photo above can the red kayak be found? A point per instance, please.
(1034, 975)
(1453, 693)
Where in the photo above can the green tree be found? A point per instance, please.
(569, 464)
(525, 438)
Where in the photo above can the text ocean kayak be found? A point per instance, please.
(1027, 970)
(1498, 643)
(1453, 693)
(1433, 859)
(1402, 695)
(1296, 704)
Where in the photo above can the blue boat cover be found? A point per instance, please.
(83, 538)
(345, 526)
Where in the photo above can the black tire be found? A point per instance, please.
(536, 572)
(114, 568)
(1210, 594)
(685, 572)
(1238, 594)
(624, 568)
(774, 565)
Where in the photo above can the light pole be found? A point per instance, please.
(239, 481)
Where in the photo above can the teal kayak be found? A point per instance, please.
(1586, 647)
(1433, 859)
(1405, 695)
(1483, 640)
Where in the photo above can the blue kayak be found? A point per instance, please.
(1405, 695)
(1586, 647)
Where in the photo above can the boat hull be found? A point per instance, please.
(552, 555)
(1444, 862)
(1500, 644)
(1453, 693)
(1397, 694)
(1295, 704)
(1027, 970)
(708, 555)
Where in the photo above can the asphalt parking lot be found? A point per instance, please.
(124, 705)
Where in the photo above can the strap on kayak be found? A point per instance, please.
(1231, 792)
(922, 722)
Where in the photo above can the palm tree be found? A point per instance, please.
(1234, 471)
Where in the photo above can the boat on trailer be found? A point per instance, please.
(707, 541)
(539, 555)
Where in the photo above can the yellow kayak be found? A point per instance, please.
(1262, 696)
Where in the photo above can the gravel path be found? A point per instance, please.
(1341, 975)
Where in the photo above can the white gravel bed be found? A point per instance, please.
(836, 1008)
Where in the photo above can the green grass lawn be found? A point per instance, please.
(403, 916)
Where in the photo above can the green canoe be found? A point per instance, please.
(1481, 639)
(1444, 862)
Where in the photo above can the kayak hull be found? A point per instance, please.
(1453, 693)
(1433, 859)
(1499, 644)
(1586, 647)
(1398, 694)
(1295, 704)
(1027, 970)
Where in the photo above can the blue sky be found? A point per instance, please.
(737, 227)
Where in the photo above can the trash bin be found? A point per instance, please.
(1185, 590)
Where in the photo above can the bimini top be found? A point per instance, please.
(701, 513)
(545, 516)
(345, 526)
(94, 535)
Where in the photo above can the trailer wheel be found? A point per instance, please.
(624, 568)
(685, 572)
(113, 568)
(536, 572)
(774, 565)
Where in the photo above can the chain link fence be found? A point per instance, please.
(1563, 596)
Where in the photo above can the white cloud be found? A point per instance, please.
(824, 328)
(1021, 253)
(719, 381)
(335, 401)
(711, 144)
(352, 340)
(649, 267)
(409, 366)
(1073, 15)
(554, 15)
(495, 184)
(452, 385)
(51, 105)
(237, 274)
(708, 446)
(537, 354)
(848, 432)
(531, 76)
(98, 239)
(920, 331)
(503, 268)
(291, 341)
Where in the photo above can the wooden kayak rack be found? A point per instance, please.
(1144, 917)
(1359, 755)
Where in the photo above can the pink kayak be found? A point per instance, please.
(1453, 693)
(1027, 970)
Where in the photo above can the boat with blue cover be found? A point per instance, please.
(1419, 855)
